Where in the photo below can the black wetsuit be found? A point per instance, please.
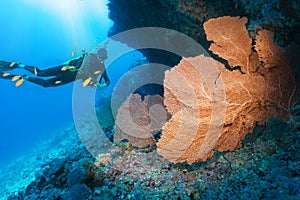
(106, 79)
(5, 66)
(59, 76)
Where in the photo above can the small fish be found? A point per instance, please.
(64, 68)
(73, 53)
(16, 78)
(71, 67)
(57, 82)
(35, 71)
(87, 81)
(6, 74)
(75, 44)
(97, 72)
(19, 82)
(12, 64)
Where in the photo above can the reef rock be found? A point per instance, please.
(186, 17)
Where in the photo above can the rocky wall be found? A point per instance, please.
(186, 17)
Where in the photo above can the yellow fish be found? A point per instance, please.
(75, 44)
(35, 71)
(71, 67)
(19, 82)
(16, 78)
(87, 81)
(73, 53)
(5, 74)
(97, 72)
(64, 68)
(57, 82)
(12, 64)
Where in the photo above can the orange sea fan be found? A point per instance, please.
(202, 120)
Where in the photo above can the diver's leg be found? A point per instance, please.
(6, 75)
(53, 71)
(6, 66)
(61, 79)
(53, 82)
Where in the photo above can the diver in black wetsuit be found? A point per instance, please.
(63, 74)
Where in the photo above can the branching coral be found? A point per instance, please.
(254, 94)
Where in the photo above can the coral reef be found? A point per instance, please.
(253, 93)
(267, 163)
(137, 121)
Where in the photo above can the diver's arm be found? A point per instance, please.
(106, 79)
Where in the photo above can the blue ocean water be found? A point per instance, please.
(42, 33)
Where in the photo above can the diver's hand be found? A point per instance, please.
(101, 86)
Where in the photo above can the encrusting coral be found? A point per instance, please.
(214, 111)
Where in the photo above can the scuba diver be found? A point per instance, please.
(87, 67)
